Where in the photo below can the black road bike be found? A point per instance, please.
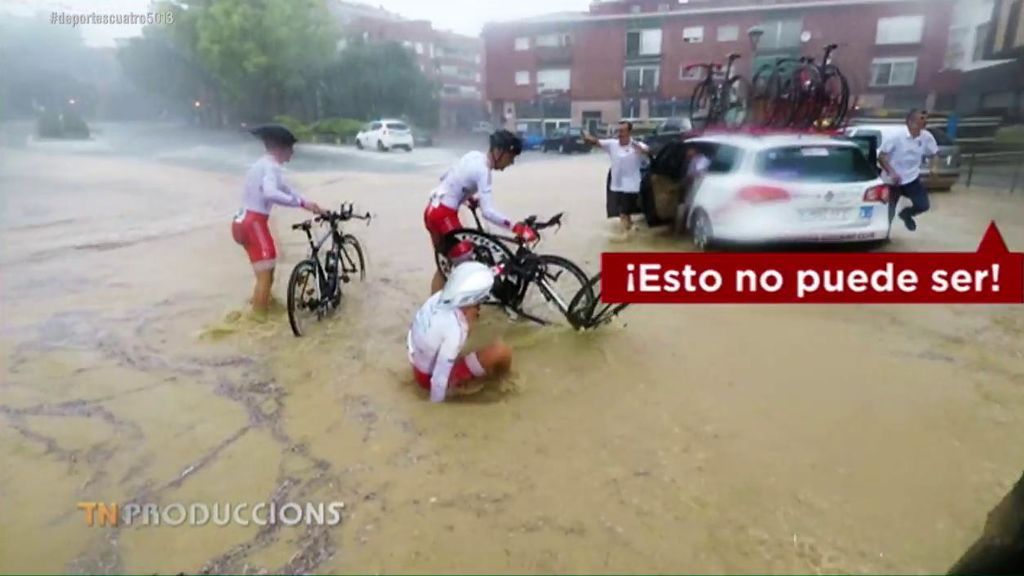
(799, 93)
(724, 100)
(541, 288)
(314, 289)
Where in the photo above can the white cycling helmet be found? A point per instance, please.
(468, 284)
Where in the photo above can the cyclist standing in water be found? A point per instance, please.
(469, 181)
(265, 187)
(440, 329)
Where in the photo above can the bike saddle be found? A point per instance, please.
(302, 225)
(831, 47)
(734, 56)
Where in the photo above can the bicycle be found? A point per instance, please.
(594, 313)
(314, 287)
(725, 100)
(523, 269)
(826, 107)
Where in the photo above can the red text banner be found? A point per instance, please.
(992, 275)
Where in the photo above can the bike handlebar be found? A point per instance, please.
(344, 213)
(555, 220)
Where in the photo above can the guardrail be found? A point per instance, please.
(999, 167)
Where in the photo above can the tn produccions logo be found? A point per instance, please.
(218, 514)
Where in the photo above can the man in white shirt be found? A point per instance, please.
(901, 156)
(626, 156)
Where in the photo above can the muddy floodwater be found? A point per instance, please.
(774, 439)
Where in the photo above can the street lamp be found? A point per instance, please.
(197, 103)
(71, 101)
(755, 33)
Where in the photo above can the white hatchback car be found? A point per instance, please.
(786, 188)
(384, 135)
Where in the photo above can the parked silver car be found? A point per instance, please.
(939, 173)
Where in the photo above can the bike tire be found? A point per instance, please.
(737, 95)
(359, 263)
(596, 313)
(782, 93)
(834, 110)
(304, 269)
(549, 264)
(496, 249)
(761, 95)
(701, 95)
(807, 86)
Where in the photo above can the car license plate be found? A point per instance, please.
(866, 212)
(825, 214)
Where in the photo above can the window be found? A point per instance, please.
(641, 78)
(643, 42)
(893, 71)
(553, 79)
(478, 77)
(396, 126)
(781, 34)
(698, 73)
(900, 30)
(635, 9)
(419, 48)
(728, 33)
(980, 37)
(832, 164)
(693, 34)
(522, 43)
(663, 7)
(375, 126)
(956, 48)
(523, 78)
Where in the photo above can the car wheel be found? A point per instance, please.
(380, 146)
(703, 234)
(561, 149)
(359, 143)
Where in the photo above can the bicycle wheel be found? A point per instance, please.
(550, 293)
(762, 102)
(806, 86)
(486, 249)
(588, 310)
(700, 106)
(350, 264)
(737, 102)
(782, 93)
(303, 302)
(834, 97)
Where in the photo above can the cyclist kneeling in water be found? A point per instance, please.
(470, 176)
(264, 187)
(440, 329)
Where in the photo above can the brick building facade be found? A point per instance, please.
(452, 61)
(626, 58)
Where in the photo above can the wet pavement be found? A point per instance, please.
(700, 439)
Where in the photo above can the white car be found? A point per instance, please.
(385, 135)
(786, 188)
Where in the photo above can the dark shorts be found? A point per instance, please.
(626, 202)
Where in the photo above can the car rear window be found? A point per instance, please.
(941, 138)
(397, 126)
(815, 164)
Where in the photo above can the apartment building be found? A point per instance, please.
(629, 58)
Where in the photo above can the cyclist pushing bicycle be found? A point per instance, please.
(471, 177)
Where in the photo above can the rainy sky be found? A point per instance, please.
(463, 16)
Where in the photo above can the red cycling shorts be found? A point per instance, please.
(251, 230)
(441, 220)
(460, 375)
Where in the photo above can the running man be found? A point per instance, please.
(439, 332)
(265, 187)
(902, 156)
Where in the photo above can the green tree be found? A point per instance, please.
(372, 80)
(265, 54)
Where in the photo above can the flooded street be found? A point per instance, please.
(783, 439)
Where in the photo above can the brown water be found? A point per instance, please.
(696, 439)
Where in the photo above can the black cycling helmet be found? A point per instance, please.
(505, 140)
(275, 134)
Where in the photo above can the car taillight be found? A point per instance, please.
(877, 194)
(758, 194)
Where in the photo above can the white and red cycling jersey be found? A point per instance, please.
(470, 175)
(435, 339)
